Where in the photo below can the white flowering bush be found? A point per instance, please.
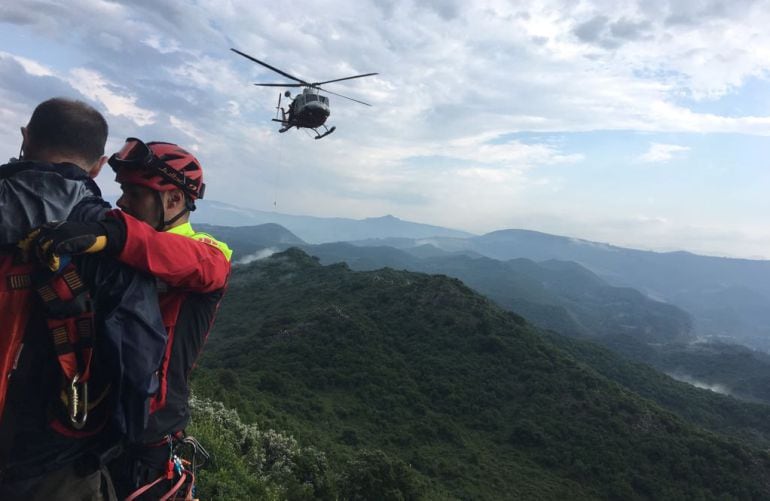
(249, 463)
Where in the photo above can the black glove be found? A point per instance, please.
(52, 240)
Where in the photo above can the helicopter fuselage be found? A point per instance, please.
(309, 109)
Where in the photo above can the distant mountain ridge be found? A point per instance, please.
(562, 296)
(728, 299)
(320, 229)
(557, 295)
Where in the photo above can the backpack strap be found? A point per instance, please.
(70, 321)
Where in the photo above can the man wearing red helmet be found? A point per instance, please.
(160, 184)
(160, 171)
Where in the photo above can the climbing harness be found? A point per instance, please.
(69, 318)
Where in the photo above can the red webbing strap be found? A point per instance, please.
(141, 490)
(18, 281)
(170, 492)
(72, 335)
(68, 333)
(176, 487)
(73, 280)
(68, 431)
(84, 326)
(62, 332)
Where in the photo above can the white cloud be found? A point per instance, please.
(115, 99)
(187, 128)
(30, 66)
(161, 44)
(660, 153)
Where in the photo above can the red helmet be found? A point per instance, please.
(158, 166)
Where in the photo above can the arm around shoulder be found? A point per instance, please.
(193, 262)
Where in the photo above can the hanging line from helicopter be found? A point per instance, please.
(308, 110)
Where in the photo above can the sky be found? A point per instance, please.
(643, 124)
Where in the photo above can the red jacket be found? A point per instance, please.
(192, 271)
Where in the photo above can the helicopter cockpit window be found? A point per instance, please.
(324, 99)
(311, 97)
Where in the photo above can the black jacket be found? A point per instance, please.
(130, 336)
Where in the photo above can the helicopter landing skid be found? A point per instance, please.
(328, 131)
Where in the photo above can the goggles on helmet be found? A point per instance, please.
(136, 155)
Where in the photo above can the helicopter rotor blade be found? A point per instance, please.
(280, 85)
(346, 78)
(270, 67)
(340, 95)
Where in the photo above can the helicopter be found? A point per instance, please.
(310, 109)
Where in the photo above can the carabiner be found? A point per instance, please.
(78, 400)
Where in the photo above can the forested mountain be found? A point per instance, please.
(569, 299)
(728, 298)
(420, 382)
(557, 295)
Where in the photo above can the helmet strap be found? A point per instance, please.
(189, 206)
(175, 218)
(161, 212)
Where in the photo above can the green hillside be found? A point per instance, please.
(567, 298)
(419, 386)
(556, 295)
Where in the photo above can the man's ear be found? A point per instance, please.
(96, 168)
